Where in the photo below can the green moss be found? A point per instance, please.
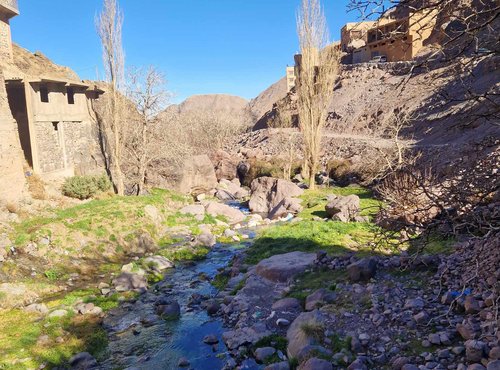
(276, 341)
(220, 280)
(308, 282)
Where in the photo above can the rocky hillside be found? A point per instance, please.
(215, 102)
(265, 100)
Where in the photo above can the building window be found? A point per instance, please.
(44, 94)
(70, 93)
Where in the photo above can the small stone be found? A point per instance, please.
(210, 339)
(474, 350)
(263, 353)
(417, 304)
(421, 317)
(476, 367)
(495, 353)
(471, 305)
(183, 362)
(282, 322)
(58, 313)
(493, 365)
(434, 339)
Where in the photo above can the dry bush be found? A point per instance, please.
(460, 199)
(36, 187)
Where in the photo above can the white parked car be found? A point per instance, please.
(379, 59)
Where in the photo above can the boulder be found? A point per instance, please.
(170, 311)
(316, 364)
(127, 281)
(319, 298)
(224, 164)
(268, 192)
(39, 308)
(283, 267)
(287, 304)
(297, 337)
(231, 189)
(243, 336)
(158, 263)
(193, 209)
(364, 269)
(286, 206)
(233, 215)
(474, 350)
(263, 353)
(284, 365)
(345, 209)
(493, 365)
(83, 361)
(205, 239)
(197, 175)
(153, 214)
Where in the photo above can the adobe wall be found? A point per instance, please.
(5, 38)
(12, 179)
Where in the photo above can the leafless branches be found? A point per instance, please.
(318, 73)
(109, 28)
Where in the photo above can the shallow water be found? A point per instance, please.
(161, 345)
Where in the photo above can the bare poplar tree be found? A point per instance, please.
(318, 71)
(146, 90)
(109, 28)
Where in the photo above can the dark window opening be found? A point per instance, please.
(56, 126)
(71, 95)
(44, 94)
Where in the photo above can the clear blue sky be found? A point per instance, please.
(236, 47)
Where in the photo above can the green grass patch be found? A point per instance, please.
(308, 282)
(310, 236)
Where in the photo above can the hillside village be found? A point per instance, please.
(345, 218)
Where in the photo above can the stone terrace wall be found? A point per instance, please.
(12, 179)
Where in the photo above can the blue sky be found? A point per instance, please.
(236, 47)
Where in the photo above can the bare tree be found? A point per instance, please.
(146, 90)
(109, 28)
(318, 72)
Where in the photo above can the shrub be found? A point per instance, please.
(85, 187)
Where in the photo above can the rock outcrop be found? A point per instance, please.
(197, 175)
(268, 193)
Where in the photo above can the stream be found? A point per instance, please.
(140, 339)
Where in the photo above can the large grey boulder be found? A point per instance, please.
(193, 209)
(299, 338)
(363, 269)
(283, 267)
(319, 298)
(287, 205)
(83, 361)
(197, 175)
(128, 281)
(158, 263)
(244, 336)
(232, 215)
(268, 192)
(227, 190)
(345, 209)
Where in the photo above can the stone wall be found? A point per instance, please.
(5, 38)
(68, 145)
(50, 146)
(12, 179)
(82, 149)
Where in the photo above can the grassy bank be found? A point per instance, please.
(308, 233)
(61, 258)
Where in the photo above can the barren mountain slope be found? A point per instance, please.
(443, 113)
(213, 102)
(264, 102)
